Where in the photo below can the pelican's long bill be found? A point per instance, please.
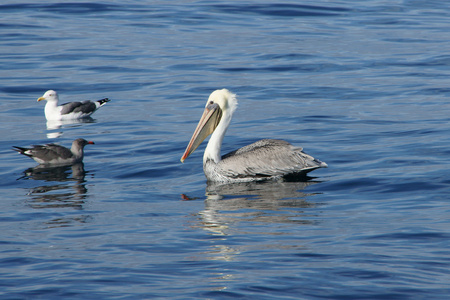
(208, 122)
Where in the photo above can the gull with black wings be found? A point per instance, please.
(70, 110)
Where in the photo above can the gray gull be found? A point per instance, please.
(52, 154)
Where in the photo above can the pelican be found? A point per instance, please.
(264, 159)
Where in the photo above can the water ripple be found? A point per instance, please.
(362, 86)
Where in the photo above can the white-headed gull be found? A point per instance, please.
(70, 110)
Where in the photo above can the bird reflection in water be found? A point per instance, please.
(66, 188)
(258, 205)
(58, 124)
(269, 202)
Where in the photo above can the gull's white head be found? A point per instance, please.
(49, 95)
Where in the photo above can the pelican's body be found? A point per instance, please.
(264, 159)
(70, 110)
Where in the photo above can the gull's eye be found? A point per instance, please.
(211, 102)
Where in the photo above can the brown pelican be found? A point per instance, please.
(264, 159)
(71, 110)
(52, 154)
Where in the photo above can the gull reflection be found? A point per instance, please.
(66, 188)
(58, 124)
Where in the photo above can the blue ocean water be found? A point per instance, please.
(361, 85)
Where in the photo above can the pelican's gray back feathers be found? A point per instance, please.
(262, 159)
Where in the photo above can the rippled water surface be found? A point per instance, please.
(361, 85)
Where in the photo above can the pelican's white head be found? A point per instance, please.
(225, 99)
(216, 117)
(49, 96)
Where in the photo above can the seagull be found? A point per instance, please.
(70, 110)
(52, 154)
(262, 160)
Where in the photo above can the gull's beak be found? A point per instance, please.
(40, 99)
(207, 124)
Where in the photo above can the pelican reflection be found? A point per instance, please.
(241, 217)
(268, 202)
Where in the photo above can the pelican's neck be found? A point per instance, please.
(228, 103)
(212, 150)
